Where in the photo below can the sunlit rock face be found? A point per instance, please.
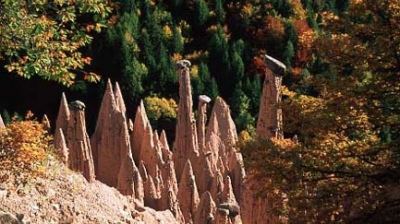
(2, 122)
(201, 180)
(80, 156)
(61, 147)
(269, 123)
(62, 119)
(110, 141)
(185, 145)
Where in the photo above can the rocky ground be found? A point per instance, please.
(60, 195)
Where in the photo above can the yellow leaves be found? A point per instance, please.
(91, 77)
(160, 107)
(328, 17)
(244, 137)
(247, 10)
(167, 31)
(298, 10)
(176, 57)
(286, 92)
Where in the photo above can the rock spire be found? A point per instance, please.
(269, 123)
(110, 141)
(185, 145)
(1, 123)
(80, 154)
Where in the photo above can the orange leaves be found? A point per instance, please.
(306, 37)
(258, 66)
(270, 31)
(23, 146)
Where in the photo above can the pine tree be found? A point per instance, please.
(240, 107)
(206, 84)
(219, 11)
(176, 45)
(219, 61)
(202, 13)
(168, 79)
(237, 68)
(288, 54)
(122, 44)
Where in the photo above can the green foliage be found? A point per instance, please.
(219, 11)
(253, 88)
(205, 84)
(6, 117)
(45, 38)
(219, 60)
(202, 12)
(123, 46)
(240, 106)
(177, 41)
(288, 54)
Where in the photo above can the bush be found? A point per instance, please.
(23, 147)
(160, 108)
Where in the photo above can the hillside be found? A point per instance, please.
(63, 196)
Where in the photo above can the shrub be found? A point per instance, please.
(23, 147)
(160, 108)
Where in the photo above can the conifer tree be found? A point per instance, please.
(219, 61)
(219, 11)
(202, 13)
(240, 106)
(176, 45)
(123, 46)
(206, 84)
(288, 54)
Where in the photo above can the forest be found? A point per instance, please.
(341, 91)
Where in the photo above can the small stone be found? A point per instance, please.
(77, 105)
(56, 207)
(233, 209)
(3, 194)
(8, 218)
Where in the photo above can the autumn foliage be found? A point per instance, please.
(23, 146)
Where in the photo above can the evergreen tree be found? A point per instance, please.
(176, 45)
(290, 32)
(240, 105)
(311, 18)
(168, 78)
(211, 89)
(253, 89)
(6, 117)
(219, 11)
(237, 68)
(288, 54)
(219, 61)
(147, 51)
(202, 13)
(123, 46)
(206, 84)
